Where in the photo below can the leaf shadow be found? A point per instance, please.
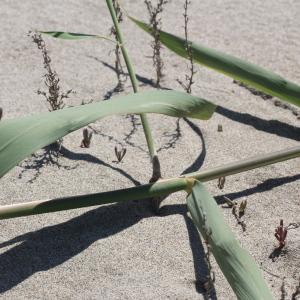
(52, 246)
(197, 164)
(270, 126)
(265, 186)
(49, 156)
(92, 159)
(143, 80)
(197, 249)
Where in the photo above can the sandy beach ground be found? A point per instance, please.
(124, 251)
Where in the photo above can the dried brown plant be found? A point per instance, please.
(238, 212)
(53, 96)
(120, 153)
(156, 23)
(280, 234)
(189, 78)
(87, 137)
(221, 182)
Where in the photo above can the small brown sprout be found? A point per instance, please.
(242, 208)
(280, 234)
(1, 113)
(220, 128)
(221, 182)
(87, 137)
(120, 153)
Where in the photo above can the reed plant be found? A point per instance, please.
(23, 136)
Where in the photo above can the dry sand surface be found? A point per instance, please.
(124, 251)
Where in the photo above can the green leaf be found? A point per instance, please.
(246, 72)
(74, 36)
(237, 265)
(21, 137)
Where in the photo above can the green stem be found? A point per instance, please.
(160, 188)
(133, 79)
(246, 164)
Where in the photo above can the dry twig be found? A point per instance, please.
(189, 78)
(238, 212)
(156, 23)
(53, 96)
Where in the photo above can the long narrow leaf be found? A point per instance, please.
(159, 188)
(74, 36)
(251, 74)
(21, 137)
(237, 265)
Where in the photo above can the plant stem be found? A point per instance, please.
(245, 164)
(133, 79)
(160, 188)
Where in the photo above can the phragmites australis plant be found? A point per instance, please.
(21, 137)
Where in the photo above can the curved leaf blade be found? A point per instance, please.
(246, 72)
(239, 268)
(74, 35)
(21, 137)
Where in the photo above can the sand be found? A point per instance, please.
(124, 251)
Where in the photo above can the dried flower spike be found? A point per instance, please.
(189, 78)
(120, 153)
(53, 96)
(280, 234)
(87, 137)
(156, 23)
